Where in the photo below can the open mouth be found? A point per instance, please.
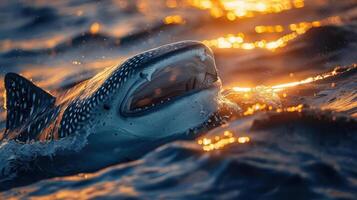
(174, 77)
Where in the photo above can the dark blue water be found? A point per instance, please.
(291, 155)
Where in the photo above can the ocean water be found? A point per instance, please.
(303, 149)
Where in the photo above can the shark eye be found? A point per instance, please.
(106, 107)
(143, 75)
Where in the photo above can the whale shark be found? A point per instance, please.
(124, 111)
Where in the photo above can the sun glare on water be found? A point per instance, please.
(236, 9)
(261, 98)
(238, 41)
(233, 9)
(264, 102)
(283, 86)
(219, 142)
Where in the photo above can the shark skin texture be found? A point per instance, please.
(167, 93)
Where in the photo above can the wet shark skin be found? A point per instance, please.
(74, 115)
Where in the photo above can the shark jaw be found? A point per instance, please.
(168, 95)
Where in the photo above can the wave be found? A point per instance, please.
(290, 153)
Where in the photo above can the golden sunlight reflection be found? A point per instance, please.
(237, 41)
(94, 192)
(228, 138)
(94, 28)
(256, 107)
(47, 42)
(219, 142)
(280, 87)
(174, 19)
(283, 86)
(4, 97)
(233, 9)
(264, 107)
(259, 96)
(264, 98)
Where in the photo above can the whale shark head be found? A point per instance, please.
(158, 93)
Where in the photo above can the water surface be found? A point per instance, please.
(296, 152)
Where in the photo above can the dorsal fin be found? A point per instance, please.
(24, 100)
